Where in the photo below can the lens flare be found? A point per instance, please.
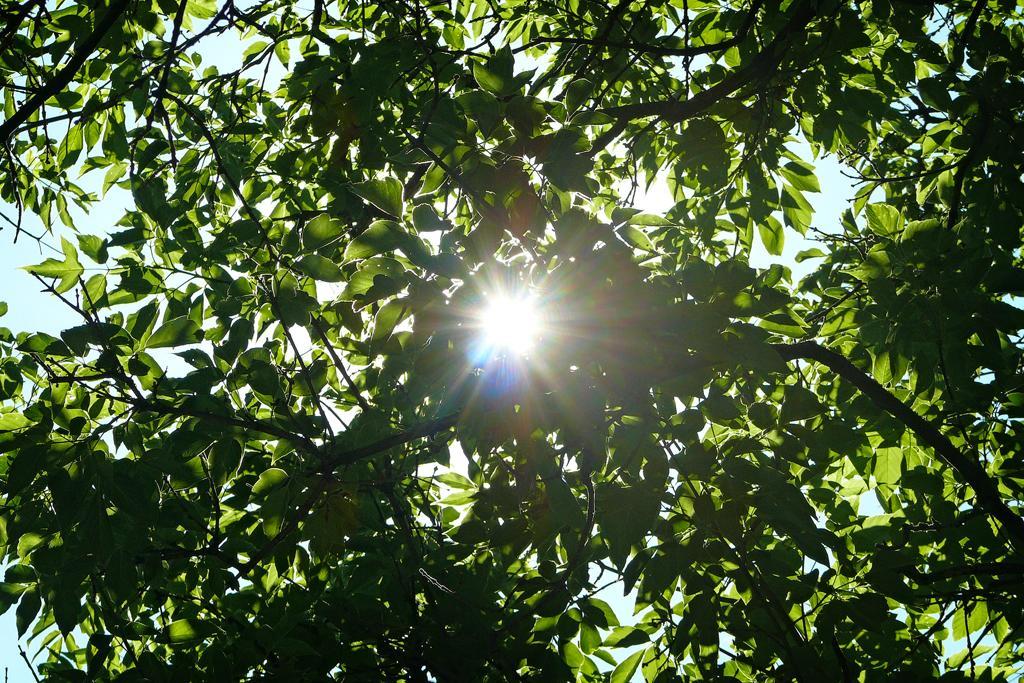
(510, 324)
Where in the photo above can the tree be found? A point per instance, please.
(237, 463)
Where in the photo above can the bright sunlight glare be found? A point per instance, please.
(511, 324)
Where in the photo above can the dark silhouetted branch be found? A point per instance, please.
(65, 75)
(985, 489)
(762, 65)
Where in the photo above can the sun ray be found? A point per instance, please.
(510, 325)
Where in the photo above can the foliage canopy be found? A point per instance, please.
(237, 463)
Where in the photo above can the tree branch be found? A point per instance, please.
(28, 662)
(660, 50)
(763, 64)
(985, 489)
(969, 570)
(61, 79)
(15, 19)
(966, 163)
(161, 88)
(318, 13)
(346, 457)
(253, 425)
(960, 43)
(338, 363)
(331, 462)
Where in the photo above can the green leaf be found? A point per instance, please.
(295, 305)
(273, 510)
(320, 268)
(795, 209)
(94, 247)
(881, 367)
(12, 421)
(888, 465)
(884, 220)
(101, 335)
(385, 194)
(636, 237)
(445, 265)
(800, 404)
(283, 52)
(496, 74)
(379, 238)
(874, 266)
(19, 573)
(322, 231)
(44, 344)
(482, 108)
(625, 515)
(627, 636)
(67, 604)
(269, 481)
(627, 667)
(263, 378)
(379, 270)
(790, 326)
(807, 254)
(186, 631)
(27, 610)
(648, 220)
(389, 315)
(176, 332)
(426, 219)
(563, 504)
(800, 175)
(67, 271)
(201, 9)
(456, 480)
(26, 466)
(925, 230)
(590, 638)
(772, 235)
(578, 92)
(113, 174)
(491, 81)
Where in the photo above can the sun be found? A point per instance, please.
(510, 324)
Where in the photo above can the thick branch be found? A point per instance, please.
(763, 64)
(613, 17)
(985, 489)
(969, 571)
(966, 164)
(346, 457)
(960, 45)
(63, 77)
(660, 50)
(15, 19)
(252, 425)
(161, 88)
(318, 14)
(339, 364)
(333, 461)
